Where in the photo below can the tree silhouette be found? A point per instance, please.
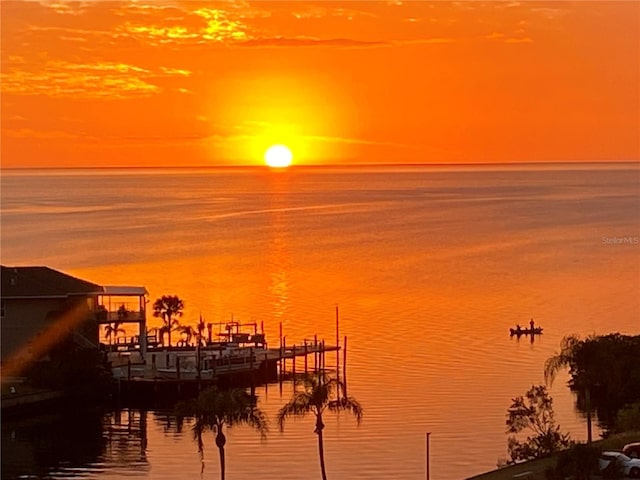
(188, 331)
(111, 330)
(603, 369)
(567, 358)
(168, 308)
(319, 394)
(216, 409)
(534, 412)
(200, 328)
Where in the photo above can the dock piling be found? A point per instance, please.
(228, 364)
(315, 354)
(293, 362)
(344, 365)
(337, 343)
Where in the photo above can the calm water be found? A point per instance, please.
(430, 267)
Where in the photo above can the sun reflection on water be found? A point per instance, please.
(279, 252)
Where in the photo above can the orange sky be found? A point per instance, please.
(157, 83)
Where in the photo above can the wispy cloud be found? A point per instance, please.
(519, 40)
(360, 141)
(65, 7)
(202, 25)
(324, 12)
(550, 13)
(220, 26)
(502, 37)
(424, 41)
(309, 42)
(84, 80)
(39, 134)
(494, 36)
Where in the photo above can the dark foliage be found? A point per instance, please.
(534, 413)
(320, 394)
(579, 462)
(609, 366)
(628, 418)
(215, 410)
(169, 308)
(73, 369)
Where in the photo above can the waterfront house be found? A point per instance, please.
(39, 306)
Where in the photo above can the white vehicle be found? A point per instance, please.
(632, 450)
(629, 466)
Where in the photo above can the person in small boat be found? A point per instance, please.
(532, 324)
(518, 328)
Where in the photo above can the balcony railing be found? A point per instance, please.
(105, 316)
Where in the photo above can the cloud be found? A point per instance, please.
(175, 71)
(72, 34)
(494, 36)
(89, 81)
(73, 39)
(424, 41)
(550, 13)
(309, 42)
(144, 7)
(519, 40)
(359, 141)
(274, 42)
(220, 26)
(153, 32)
(324, 12)
(106, 139)
(38, 134)
(202, 25)
(65, 8)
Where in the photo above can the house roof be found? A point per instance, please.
(124, 291)
(43, 282)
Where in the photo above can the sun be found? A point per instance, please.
(278, 156)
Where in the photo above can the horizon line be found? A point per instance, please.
(326, 165)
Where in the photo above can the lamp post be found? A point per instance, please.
(427, 454)
(587, 399)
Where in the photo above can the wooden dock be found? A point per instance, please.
(141, 384)
(189, 369)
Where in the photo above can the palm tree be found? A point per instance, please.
(209, 331)
(567, 358)
(200, 329)
(188, 331)
(112, 330)
(169, 308)
(320, 393)
(216, 409)
(564, 359)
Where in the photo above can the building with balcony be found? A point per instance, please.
(40, 307)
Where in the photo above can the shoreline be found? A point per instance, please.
(535, 469)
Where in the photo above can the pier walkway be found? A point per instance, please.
(303, 358)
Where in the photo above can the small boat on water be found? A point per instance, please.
(526, 331)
